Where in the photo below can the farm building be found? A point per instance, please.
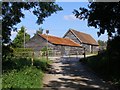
(56, 45)
(85, 40)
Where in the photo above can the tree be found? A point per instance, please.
(102, 15)
(19, 39)
(106, 17)
(12, 12)
(40, 31)
(102, 44)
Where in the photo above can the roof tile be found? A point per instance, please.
(60, 41)
(85, 38)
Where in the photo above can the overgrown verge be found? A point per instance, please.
(28, 77)
(106, 67)
(19, 73)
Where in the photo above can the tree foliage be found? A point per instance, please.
(114, 48)
(102, 15)
(12, 12)
(19, 39)
(106, 17)
(102, 43)
(40, 31)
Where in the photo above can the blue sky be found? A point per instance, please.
(58, 24)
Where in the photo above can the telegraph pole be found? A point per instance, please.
(47, 31)
(24, 38)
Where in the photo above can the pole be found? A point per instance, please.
(47, 46)
(47, 31)
(84, 53)
(24, 38)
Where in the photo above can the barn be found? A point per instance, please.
(56, 45)
(85, 40)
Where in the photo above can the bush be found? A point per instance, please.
(98, 63)
(28, 77)
(105, 66)
(15, 63)
(19, 73)
(19, 63)
(24, 52)
(41, 63)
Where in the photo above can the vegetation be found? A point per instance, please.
(106, 64)
(102, 15)
(106, 17)
(29, 77)
(24, 52)
(12, 12)
(18, 71)
(21, 74)
(19, 39)
(44, 51)
(102, 44)
(40, 31)
(107, 70)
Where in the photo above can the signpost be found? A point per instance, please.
(47, 31)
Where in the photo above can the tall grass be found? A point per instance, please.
(107, 68)
(29, 77)
(19, 72)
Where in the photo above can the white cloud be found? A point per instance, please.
(70, 17)
(13, 32)
(71, 0)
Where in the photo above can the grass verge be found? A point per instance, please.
(19, 73)
(104, 67)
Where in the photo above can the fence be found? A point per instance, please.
(29, 52)
(23, 52)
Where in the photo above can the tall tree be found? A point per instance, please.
(102, 44)
(40, 31)
(102, 15)
(12, 12)
(106, 17)
(19, 39)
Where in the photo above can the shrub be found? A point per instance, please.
(19, 73)
(15, 63)
(106, 67)
(23, 52)
(42, 63)
(44, 51)
(28, 77)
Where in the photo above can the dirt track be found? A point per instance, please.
(70, 73)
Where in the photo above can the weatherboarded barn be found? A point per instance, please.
(85, 40)
(57, 45)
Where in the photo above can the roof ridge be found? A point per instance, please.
(61, 41)
(84, 37)
(80, 32)
(50, 35)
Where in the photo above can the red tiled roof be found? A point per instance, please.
(84, 38)
(60, 41)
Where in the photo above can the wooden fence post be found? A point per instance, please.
(32, 58)
(84, 54)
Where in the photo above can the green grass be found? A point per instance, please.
(105, 67)
(19, 73)
(0, 82)
(42, 63)
(29, 77)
